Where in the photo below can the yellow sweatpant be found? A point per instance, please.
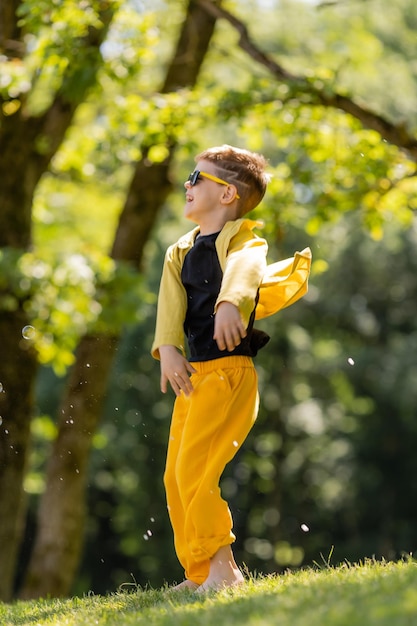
(207, 429)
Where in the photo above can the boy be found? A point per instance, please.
(215, 280)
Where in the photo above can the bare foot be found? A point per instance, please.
(223, 572)
(186, 584)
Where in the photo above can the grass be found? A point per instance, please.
(369, 594)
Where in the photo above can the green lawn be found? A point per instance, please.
(380, 594)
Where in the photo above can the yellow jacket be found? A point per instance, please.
(242, 257)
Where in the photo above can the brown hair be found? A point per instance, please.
(242, 168)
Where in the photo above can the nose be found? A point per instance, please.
(187, 184)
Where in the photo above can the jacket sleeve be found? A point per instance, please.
(244, 269)
(284, 283)
(172, 305)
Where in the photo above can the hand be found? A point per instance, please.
(176, 370)
(228, 326)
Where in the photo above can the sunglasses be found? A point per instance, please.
(197, 174)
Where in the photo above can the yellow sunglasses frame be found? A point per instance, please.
(193, 177)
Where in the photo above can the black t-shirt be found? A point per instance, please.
(201, 276)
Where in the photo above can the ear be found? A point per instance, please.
(229, 194)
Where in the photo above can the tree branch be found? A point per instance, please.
(396, 134)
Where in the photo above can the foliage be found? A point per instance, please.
(52, 34)
(68, 299)
(330, 163)
(372, 593)
(331, 166)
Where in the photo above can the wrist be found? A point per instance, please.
(167, 349)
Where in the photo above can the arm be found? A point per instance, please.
(244, 267)
(172, 305)
(169, 332)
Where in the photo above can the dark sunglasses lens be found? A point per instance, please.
(193, 177)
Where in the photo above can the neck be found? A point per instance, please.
(209, 231)
(210, 227)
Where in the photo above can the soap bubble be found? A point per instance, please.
(28, 332)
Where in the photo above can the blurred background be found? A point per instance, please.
(103, 107)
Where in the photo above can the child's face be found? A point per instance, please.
(203, 199)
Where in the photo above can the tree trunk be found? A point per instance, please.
(62, 510)
(21, 167)
(54, 562)
(17, 371)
